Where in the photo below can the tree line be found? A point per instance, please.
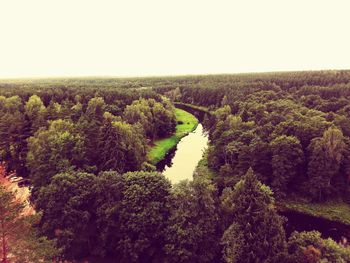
(84, 149)
(292, 128)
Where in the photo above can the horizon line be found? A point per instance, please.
(38, 77)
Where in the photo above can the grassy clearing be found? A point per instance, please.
(335, 211)
(161, 147)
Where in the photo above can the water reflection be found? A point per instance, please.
(180, 163)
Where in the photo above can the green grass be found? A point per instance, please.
(332, 210)
(162, 146)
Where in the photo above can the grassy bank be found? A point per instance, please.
(335, 211)
(186, 123)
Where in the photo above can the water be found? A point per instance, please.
(302, 222)
(180, 163)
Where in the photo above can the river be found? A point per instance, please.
(180, 163)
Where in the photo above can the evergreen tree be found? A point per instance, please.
(89, 125)
(109, 152)
(256, 233)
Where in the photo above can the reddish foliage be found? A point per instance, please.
(312, 255)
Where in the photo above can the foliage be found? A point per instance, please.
(192, 231)
(143, 216)
(68, 212)
(20, 242)
(121, 147)
(256, 233)
(310, 247)
(162, 146)
(291, 128)
(331, 210)
(287, 158)
(56, 149)
(325, 159)
(156, 118)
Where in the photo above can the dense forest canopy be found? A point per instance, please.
(83, 144)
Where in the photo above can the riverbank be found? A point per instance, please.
(186, 123)
(193, 107)
(333, 210)
(331, 218)
(203, 170)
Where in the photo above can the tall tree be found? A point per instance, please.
(108, 192)
(89, 125)
(191, 235)
(121, 148)
(256, 233)
(67, 204)
(54, 150)
(36, 112)
(287, 158)
(143, 216)
(326, 154)
(157, 118)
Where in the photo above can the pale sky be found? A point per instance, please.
(151, 37)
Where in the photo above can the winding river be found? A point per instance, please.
(180, 163)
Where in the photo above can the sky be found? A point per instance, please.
(40, 38)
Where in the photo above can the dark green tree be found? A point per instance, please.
(89, 125)
(108, 192)
(143, 216)
(256, 233)
(67, 204)
(326, 154)
(192, 232)
(56, 149)
(287, 158)
(121, 148)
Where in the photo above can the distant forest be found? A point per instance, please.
(82, 144)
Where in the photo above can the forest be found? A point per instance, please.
(82, 147)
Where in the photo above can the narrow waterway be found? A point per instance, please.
(180, 163)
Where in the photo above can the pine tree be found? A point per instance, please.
(256, 233)
(110, 157)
